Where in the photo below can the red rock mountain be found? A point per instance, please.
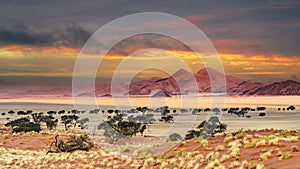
(184, 82)
(181, 82)
(288, 87)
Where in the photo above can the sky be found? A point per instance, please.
(41, 40)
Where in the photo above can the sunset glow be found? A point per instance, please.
(18, 60)
(256, 41)
(149, 84)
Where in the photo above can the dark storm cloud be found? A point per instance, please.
(21, 34)
(270, 28)
(27, 38)
(75, 35)
(134, 43)
(253, 27)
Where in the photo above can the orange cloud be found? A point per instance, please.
(59, 61)
(18, 60)
(45, 50)
(260, 66)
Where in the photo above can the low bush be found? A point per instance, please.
(23, 125)
(116, 128)
(74, 143)
(174, 137)
(17, 122)
(27, 127)
(295, 149)
(207, 128)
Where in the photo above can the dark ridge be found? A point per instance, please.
(159, 80)
(241, 83)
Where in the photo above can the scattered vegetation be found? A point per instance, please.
(23, 125)
(116, 128)
(220, 148)
(174, 137)
(74, 143)
(265, 156)
(210, 155)
(252, 165)
(283, 155)
(207, 128)
(138, 151)
(69, 120)
(82, 123)
(110, 133)
(295, 149)
(145, 118)
(49, 120)
(17, 122)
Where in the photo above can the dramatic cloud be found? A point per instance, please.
(138, 42)
(22, 34)
(256, 39)
(270, 28)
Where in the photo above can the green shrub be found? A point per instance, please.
(17, 122)
(175, 137)
(50, 121)
(295, 149)
(23, 125)
(192, 134)
(252, 165)
(207, 128)
(284, 155)
(69, 120)
(111, 134)
(116, 128)
(27, 127)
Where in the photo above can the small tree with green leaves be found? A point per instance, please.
(207, 128)
(50, 121)
(69, 120)
(109, 132)
(27, 127)
(146, 118)
(23, 125)
(37, 117)
(11, 112)
(192, 134)
(116, 128)
(82, 123)
(17, 122)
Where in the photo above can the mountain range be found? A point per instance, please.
(185, 83)
(181, 82)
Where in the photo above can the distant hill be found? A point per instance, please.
(185, 83)
(288, 87)
(181, 82)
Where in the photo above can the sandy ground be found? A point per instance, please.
(245, 149)
(257, 148)
(176, 101)
(274, 119)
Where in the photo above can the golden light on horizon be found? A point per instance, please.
(60, 61)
